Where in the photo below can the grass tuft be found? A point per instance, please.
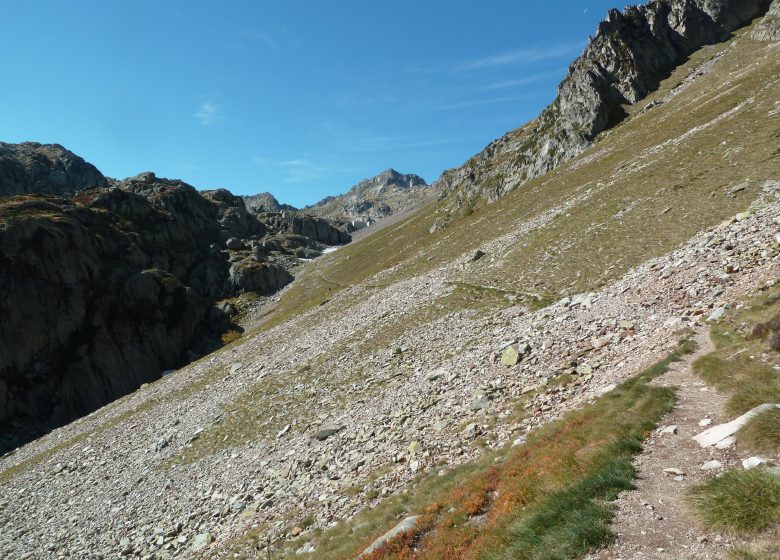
(762, 433)
(739, 501)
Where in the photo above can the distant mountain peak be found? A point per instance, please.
(374, 198)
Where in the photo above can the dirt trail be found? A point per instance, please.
(653, 521)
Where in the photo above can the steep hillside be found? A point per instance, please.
(487, 383)
(631, 52)
(373, 199)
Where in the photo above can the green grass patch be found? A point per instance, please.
(739, 501)
(762, 433)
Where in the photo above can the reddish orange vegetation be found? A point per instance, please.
(483, 505)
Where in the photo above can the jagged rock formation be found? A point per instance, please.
(118, 281)
(373, 199)
(769, 28)
(626, 59)
(44, 168)
(266, 202)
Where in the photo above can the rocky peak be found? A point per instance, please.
(630, 54)
(31, 167)
(374, 198)
(265, 202)
(392, 178)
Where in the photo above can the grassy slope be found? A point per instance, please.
(543, 500)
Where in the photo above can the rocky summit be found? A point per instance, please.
(373, 199)
(567, 348)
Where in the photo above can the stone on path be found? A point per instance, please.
(711, 465)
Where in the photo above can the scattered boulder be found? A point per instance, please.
(327, 432)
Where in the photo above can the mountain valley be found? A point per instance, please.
(507, 366)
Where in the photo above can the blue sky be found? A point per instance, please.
(300, 98)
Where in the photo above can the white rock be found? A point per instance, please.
(669, 430)
(721, 431)
(608, 389)
(717, 314)
(522, 440)
(405, 525)
(711, 465)
(725, 443)
(753, 462)
(705, 422)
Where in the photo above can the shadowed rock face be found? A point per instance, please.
(44, 168)
(85, 316)
(631, 52)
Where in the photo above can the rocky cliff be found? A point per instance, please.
(86, 315)
(105, 289)
(373, 199)
(631, 52)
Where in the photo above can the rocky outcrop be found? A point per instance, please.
(626, 59)
(769, 28)
(266, 202)
(86, 316)
(318, 230)
(44, 168)
(373, 199)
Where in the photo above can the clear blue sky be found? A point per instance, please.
(300, 98)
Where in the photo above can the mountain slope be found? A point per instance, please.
(377, 369)
(630, 53)
(373, 199)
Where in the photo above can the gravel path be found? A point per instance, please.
(653, 521)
